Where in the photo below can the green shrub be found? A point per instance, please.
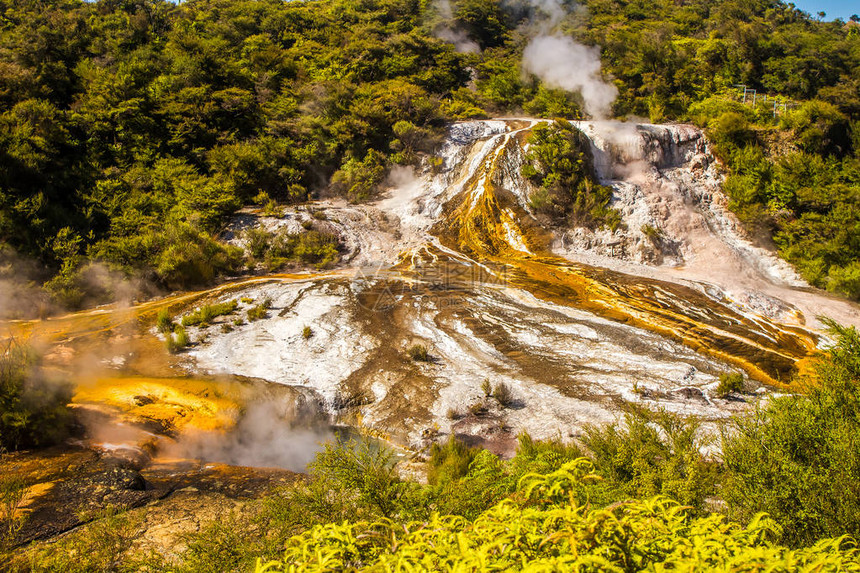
(731, 130)
(258, 242)
(13, 490)
(503, 395)
(178, 340)
(449, 461)
(257, 312)
(730, 384)
(653, 233)
(359, 180)
(487, 388)
(798, 458)
(653, 453)
(315, 248)
(271, 209)
(182, 339)
(364, 468)
(559, 164)
(164, 322)
(307, 332)
(551, 526)
(418, 353)
(541, 456)
(845, 280)
(220, 545)
(183, 256)
(204, 315)
(261, 198)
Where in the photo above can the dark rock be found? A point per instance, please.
(144, 400)
(690, 393)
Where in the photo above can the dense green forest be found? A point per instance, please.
(131, 128)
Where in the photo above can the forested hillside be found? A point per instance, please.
(131, 128)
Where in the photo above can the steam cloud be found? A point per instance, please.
(555, 58)
(455, 36)
(262, 438)
(563, 63)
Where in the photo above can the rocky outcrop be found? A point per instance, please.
(69, 487)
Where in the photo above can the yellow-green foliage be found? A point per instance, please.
(798, 457)
(258, 312)
(207, 313)
(542, 528)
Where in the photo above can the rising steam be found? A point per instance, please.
(452, 34)
(555, 58)
(561, 62)
(262, 438)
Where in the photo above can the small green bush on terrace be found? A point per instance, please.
(258, 312)
(177, 340)
(164, 322)
(418, 353)
(204, 315)
(730, 383)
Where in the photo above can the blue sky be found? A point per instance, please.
(834, 8)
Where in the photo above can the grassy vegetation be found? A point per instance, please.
(100, 545)
(276, 250)
(164, 322)
(178, 340)
(653, 454)
(204, 315)
(259, 311)
(503, 395)
(487, 388)
(13, 489)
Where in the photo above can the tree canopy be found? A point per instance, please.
(129, 125)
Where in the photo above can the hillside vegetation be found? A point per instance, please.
(130, 129)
